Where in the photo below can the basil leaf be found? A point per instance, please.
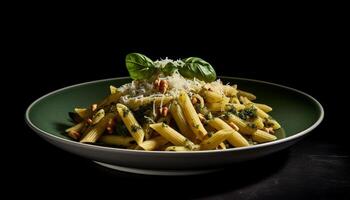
(139, 66)
(198, 68)
(169, 69)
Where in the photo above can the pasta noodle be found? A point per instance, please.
(262, 136)
(249, 95)
(154, 143)
(135, 103)
(263, 107)
(176, 148)
(191, 115)
(171, 135)
(216, 139)
(130, 122)
(180, 120)
(235, 139)
(213, 97)
(94, 134)
(117, 140)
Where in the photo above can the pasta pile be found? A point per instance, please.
(174, 114)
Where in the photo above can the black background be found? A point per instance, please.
(301, 53)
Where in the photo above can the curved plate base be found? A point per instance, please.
(158, 172)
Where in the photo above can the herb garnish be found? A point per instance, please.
(251, 125)
(141, 67)
(135, 128)
(247, 113)
(125, 112)
(164, 125)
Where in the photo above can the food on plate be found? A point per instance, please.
(174, 105)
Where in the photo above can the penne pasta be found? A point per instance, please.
(213, 97)
(222, 106)
(235, 139)
(222, 146)
(77, 127)
(176, 148)
(275, 124)
(113, 98)
(242, 125)
(234, 100)
(117, 140)
(154, 143)
(171, 135)
(136, 103)
(259, 122)
(249, 95)
(94, 134)
(244, 100)
(230, 91)
(224, 103)
(263, 107)
(261, 113)
(113, 89)
(262, 136)
(216, 139)
(131, 124)
(191, 115)
(82, 112)
(180, 120)
(98, 116)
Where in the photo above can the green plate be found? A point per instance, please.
(297, 112)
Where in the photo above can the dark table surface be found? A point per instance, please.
(315, 168)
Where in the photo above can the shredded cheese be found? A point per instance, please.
(161, 101)
(154, 109)
(139, 89)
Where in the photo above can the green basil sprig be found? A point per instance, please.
(169, 68)
(199, 68)
(141, 67)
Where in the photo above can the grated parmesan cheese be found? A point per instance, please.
(154, 109)
(139, 89)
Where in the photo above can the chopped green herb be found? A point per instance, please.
(135, 128)
(144, 114)
(125, 112)
(198, 107)
(209, 116)
(252, 125)
(226, 115)
(164, 125)
(210, 133)
(247, 113)
(196, 126)
(231, 108)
